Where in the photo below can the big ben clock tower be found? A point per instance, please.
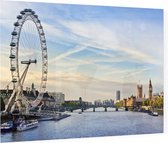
(150, 89)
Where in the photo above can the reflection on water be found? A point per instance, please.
(91, 124)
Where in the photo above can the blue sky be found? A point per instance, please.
(93, 50)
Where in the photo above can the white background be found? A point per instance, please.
(153, 138)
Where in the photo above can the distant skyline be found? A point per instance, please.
(93, 51)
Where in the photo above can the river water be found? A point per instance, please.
(91, 124)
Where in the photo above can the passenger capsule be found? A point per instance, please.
(38, 21)
(40, 27)
(26, 10)
(12, 56)
(22, 12)
(14, 80)
(19, 17)
(29, 10)
(45, 56)
(43, 86)
(16, 24)
(42, 34)
(44, 79)
(44, 41)
(33, 12)
(45, 48)
(12, 68)
(14, 33)
(45, 64)
(36, 16)
(12, 44)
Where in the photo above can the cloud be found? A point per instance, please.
(93, 32)
(52, 32)
(66, 54)
(74, 83)
(103, 38)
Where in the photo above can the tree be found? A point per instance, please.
(146, 102)
(2, 104)
(157, 102)
(119, 104)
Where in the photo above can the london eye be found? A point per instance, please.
(28, 58)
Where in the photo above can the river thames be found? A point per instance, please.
(91, 124)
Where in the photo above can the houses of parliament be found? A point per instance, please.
(139, 99)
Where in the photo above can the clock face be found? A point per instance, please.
(150, 88)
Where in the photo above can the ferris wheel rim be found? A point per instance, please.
(26, 15)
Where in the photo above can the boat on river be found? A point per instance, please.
(11, 125)
(47, 118)
(7, 126)
(27, 124)
(154, 114)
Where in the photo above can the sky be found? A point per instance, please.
(93, 51)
